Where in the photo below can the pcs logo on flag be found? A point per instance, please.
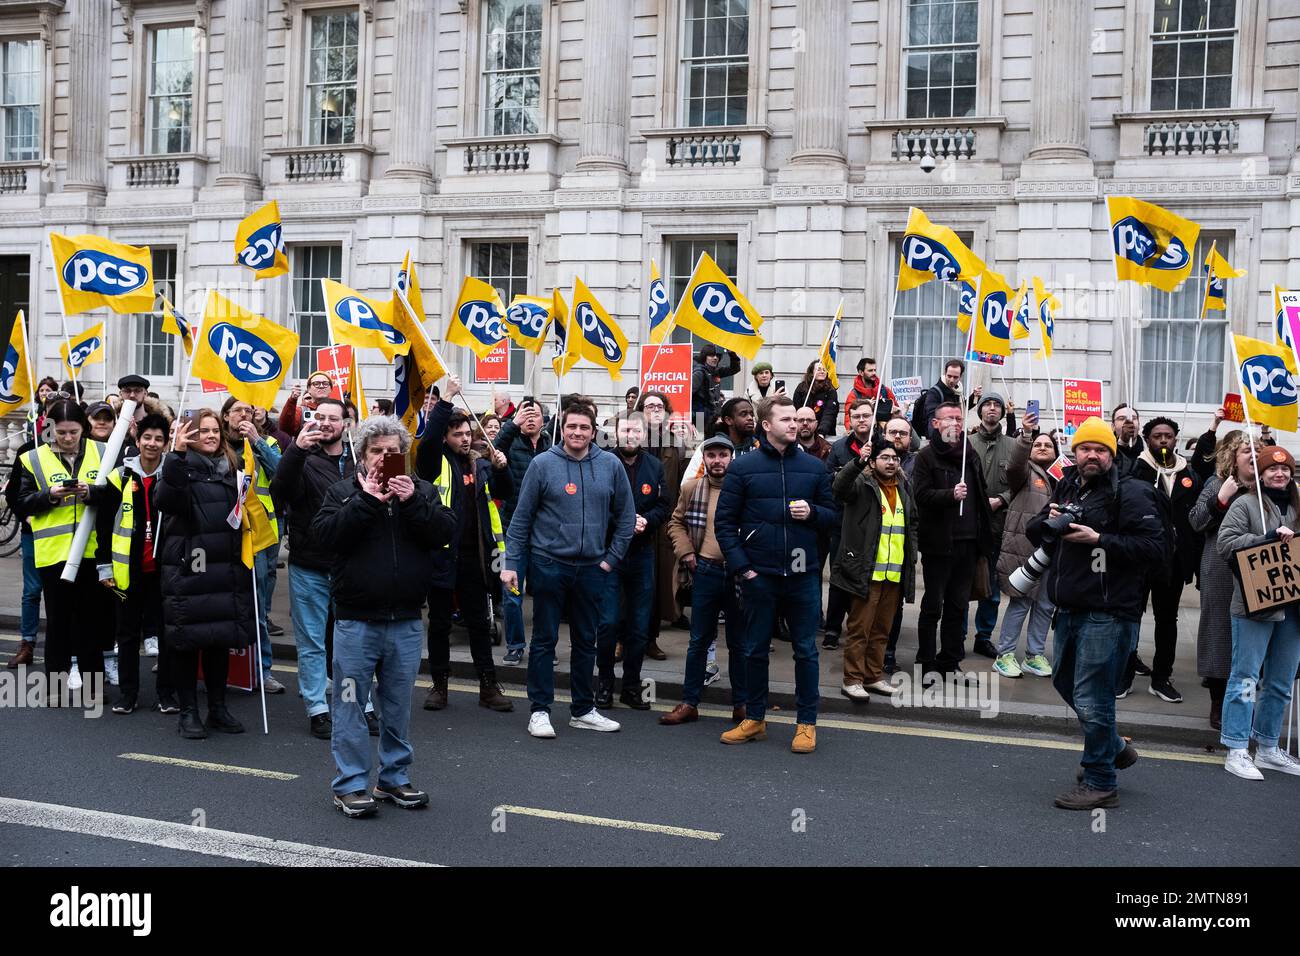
(926, 255)
(482, 321)
(528, 317)
(1135, 242)
(995, 314)
(357, 312)
(249, 358)
(658, 303)
(966, 298)
(717, 306)
(8, 377)
(83, 351)
(1267, 379)
(597, 333)
(88, 270)
(260, 249)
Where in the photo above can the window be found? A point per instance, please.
(504, 266)
(682, 256)
(715, 62)
(20, 109)
(331, 100)
(512, 67)
(310, 265)
(1191, 54)
(925, 327)
(941, 52)
(155, 350)
(1166, 358)
(171, 90)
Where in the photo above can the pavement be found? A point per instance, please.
(1027, 703)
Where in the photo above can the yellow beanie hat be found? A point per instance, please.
(1094, 430)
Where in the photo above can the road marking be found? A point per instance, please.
(190, 839)
(610, 822)
(204, 765)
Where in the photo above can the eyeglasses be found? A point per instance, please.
(884, 457)
(318, 383)
(653, 406)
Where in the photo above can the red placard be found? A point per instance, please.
(1233, 410)
(1082, 399)
(1057, 470)
(671, 375)
(242, 666)
(336, 362)
(495, 366)
(211, 386)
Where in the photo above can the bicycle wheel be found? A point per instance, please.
(10, 532)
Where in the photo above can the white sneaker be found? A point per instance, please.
(855, 692)
(151, 647)
(711, 673)
(1275, 758)
(110, 670)
(74, 678)
(885, 687)
(592, 720)
(539, 725)
(1239, 764)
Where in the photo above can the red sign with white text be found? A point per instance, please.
(1082, 399)
(671, 375)
(495, 366)
(1233, 411)
(336, 362)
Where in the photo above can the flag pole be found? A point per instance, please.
(1245, 407)
(888, 356)
(63, 313)
(970, 337)
(257, 618)
(31, 372)
(822, 351)
(436, 354)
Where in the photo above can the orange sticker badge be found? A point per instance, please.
(571, 488)
(1187, 482)
(646, 489)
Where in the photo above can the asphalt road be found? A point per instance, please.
(873, 794)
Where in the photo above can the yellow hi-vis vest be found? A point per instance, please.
(893, 530)
(52, 530)
(262, 486)
(123, 526)
(443, 487)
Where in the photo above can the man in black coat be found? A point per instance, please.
(845, 450)
(955, 532)
(707, 374)
(382, 541)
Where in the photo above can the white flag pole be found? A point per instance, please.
(1245, 407)
(970, 338)
(63, 314)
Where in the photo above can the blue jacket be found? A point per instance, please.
(567, 508)
(752, 521)
(649, 497)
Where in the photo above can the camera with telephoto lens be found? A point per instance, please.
(1024, 578)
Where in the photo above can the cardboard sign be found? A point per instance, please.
(1082, 400)
(907, 390)
(1057, 470)
(1233, 410)
(1269, 574)
(671, 375)
(336, 362)
(495, 366)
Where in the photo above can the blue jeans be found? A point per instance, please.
(31, 590)
(513, 611)
(363, 651)
(625, 616)
(1039, 611)
(1255, 705)
(1092, 650)
(798, 599)
(713, 590)
(309, 593)
(264, 576)
(581, 587)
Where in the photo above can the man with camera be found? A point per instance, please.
(1099, 534)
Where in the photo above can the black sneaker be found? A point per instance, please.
(831, 640)
(322, 727)
(1124, 692)
(985, 648)
(168, 704)
(356, 804)
(275, 630)
(631, 697)
(1084, 797)
(1166, 691)
(1140, 667)
(604, 697)
(404, 795)
(125, 704)
(372, 723)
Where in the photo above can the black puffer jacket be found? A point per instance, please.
(207, 591)
(382, 551)
(300, 484)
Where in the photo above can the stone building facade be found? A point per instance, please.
(528, 141)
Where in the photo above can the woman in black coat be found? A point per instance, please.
(207, 591)
(817, 391)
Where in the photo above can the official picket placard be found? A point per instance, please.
(336, 362)
(1082, 399)
(1270, 575)
(671, 375)
(495, 366)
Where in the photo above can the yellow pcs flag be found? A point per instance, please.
(929, 251)
(355, 391)
(715, 310)
(993, 316)
(84, 349)
(256, 533)
(408, 318)
(1281, 329)
(259, 243)
(527, 320)
(174, 323)
(1152, 246)
(658, 311)
(1217, 272)
(600, 340)
(1020, 312)
(830, 352)
(91, 271)
(246, 352)
(15, 376)
(1268, 382)
(478, 318)
(361, 322)
(565, 352)
(1047, 306)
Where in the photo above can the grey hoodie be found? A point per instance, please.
(578, 511)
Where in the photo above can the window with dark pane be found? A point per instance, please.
(941, 50)
(168, 111)
(925, 326)
(331, 96)
(512, 67)
(503, 264)
(715, 62)
(155, 350)
(1192, 50)
(20, 100)
(310, 264)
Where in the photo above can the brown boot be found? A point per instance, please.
(747, 731)
(490, 695)
(437, 698)
(653, 652)
(681, 714)
(24, 655)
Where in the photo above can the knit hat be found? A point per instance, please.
(1096, 431)
(760, 367)
(990, 397)
(1277, 455)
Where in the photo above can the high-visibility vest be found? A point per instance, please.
(893, 531)
(52, 530)
(443, 486)
(123, 526)
(262, 485)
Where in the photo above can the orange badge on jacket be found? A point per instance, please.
(1187, 482)
(571, 488)
(646, 489)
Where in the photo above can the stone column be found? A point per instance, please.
(90, 25)
(414, 23)
(821, 56)
(243, 95)
(1062, 40)
(607, 50)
